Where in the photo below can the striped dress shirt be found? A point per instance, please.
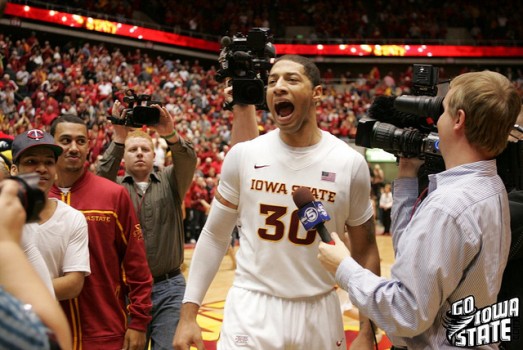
(453, 245)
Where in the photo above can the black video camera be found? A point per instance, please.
(139, 111)
(30, 195)
(510, 164)
(247, 61)
(406, 125)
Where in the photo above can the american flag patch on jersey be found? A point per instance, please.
(328, 176)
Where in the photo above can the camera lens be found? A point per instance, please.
(412, 143)
(394, 140)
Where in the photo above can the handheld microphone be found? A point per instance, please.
(312, 214)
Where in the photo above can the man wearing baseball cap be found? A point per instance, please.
(61, 233)
(34, 138)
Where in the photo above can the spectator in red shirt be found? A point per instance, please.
(206, 166)
(200, 203)
(49, 115)
(8, 84)
(217, 163)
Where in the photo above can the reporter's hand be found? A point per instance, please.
(12, 215)
(331, 255)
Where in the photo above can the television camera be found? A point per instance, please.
(406, 127)
(139, 111)
(247, 61)
(510, 162)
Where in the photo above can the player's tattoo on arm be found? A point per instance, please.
(370, 228)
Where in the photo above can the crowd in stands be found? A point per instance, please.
(40, 81)
(405, 19)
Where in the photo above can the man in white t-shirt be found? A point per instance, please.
(60, 234)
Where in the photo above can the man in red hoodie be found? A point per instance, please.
(120, 275)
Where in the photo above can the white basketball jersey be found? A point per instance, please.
(276, 255)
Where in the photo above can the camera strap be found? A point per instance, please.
(420, 198)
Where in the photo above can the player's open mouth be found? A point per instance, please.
(284, 109)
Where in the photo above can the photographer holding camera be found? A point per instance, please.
(452, 244)
(25, 302)
(157, 197)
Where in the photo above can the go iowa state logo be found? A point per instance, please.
(469, 327)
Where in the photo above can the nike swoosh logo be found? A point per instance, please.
(260, 166)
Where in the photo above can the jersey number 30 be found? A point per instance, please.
(275, 227)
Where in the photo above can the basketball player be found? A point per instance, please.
(281, 297)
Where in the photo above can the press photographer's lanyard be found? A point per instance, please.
(143, 189)
(420, 198)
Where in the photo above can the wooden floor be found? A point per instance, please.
(211, 312)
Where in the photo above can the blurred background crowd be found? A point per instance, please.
(325, 19)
